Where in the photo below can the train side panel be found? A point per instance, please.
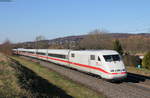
(79, 60)
(41, 54)
(97, 66)
(58, 57)
(88, 62)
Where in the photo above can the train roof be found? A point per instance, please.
(65, 51)
(102, 52)
(94, 50)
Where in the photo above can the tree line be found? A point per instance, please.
(94, 40)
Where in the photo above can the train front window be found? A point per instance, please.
(116, 57)
(109, 58)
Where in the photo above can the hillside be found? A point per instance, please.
(130, 42)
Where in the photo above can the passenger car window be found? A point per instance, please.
(72, 55)
(40, 53)
(92, 57)
(57, 55)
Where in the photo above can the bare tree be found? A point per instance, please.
(39, 38)
(40, 43)
(6, 47)
(96, 40)
(136, 44)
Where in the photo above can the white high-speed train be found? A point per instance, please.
(105, 63)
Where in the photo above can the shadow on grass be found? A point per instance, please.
(38, 86)
(136, 78)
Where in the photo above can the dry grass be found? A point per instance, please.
(9, 86)
(3, 58)
(67, 86)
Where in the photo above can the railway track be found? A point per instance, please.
(135, 86)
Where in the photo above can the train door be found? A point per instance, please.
(68, 58)
(95, 61)
(72, 59)
(92, 60)
(98, 61)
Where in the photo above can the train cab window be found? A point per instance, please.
(116, 57)
(109, 58)
(99, 58)
(72, 55)
(92, 57)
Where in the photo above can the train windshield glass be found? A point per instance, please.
(109, 58)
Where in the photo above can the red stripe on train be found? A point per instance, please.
(82, 65)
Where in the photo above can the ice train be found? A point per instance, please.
(107, 64)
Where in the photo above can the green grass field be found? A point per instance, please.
(55, 85)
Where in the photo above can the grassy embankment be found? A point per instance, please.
(9, 85)
(62, 87)
(141, 71)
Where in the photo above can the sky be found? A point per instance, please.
(23, 20)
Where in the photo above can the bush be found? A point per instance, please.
(146, 60)
(130, 60)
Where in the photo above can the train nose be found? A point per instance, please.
(118, 76)
(115, 76)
